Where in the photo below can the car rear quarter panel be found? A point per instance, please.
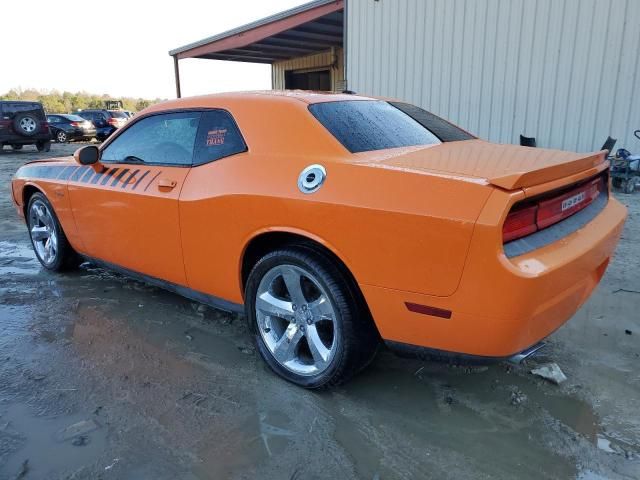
(391, 228)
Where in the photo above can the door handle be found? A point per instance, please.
(166, 183)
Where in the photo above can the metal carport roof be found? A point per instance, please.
(310, 28)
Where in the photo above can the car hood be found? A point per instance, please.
(505, 166)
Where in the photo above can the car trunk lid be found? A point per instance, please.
(506, 166)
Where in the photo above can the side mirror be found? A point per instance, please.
(87, 155)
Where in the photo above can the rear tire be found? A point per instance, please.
(47, 237)
(61, 136)
(17, 147)
(26, 124)
(617, 183)
(308, 322)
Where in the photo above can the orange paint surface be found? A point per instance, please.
(421, 225)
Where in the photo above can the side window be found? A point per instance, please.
(165, 139)
(218, 137)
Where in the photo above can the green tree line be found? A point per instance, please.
(66, 102)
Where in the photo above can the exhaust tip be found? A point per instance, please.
(523, 355)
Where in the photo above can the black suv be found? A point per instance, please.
(23, 123)
(106, 121)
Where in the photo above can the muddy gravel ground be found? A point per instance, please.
(102, 377)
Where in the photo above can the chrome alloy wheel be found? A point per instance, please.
(296, 319)
(28, 124)
(43, 232)
(61, 137)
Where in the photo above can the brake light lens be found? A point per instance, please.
(44, 127)
(553, 210)
(113, 122)
(75, 124)
(519, 223)
(523, 221)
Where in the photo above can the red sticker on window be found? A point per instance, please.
(216, 137)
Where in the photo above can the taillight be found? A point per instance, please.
(75, 124)
(113, 122)
(519, 223)
(523, 221)
(553, 210)
(44, 127)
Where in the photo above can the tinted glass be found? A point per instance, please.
(365, 125)
(53, 119)
(218, 136)
(160, 139)
(118, 114)
(11, 109)
(445, 131)
(74, 118)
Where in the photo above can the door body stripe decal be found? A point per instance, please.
(108, 176)
(140, 179)
(151, 181)
(129, 178)
(120, 175)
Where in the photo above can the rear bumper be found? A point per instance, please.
(79, 134)
(504, 305)
(22, 140)
(104, 132)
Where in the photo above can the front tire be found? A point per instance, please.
(308, 322)
(47, 237)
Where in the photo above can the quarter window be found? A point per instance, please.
(166, 139)
(218, 137)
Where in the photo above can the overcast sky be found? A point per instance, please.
(121, 47)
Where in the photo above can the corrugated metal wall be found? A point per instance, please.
(564, 71)
(324, 59)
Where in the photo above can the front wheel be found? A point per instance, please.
(47, 237)
(309, 323)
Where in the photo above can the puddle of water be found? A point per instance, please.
(17, 259)
(422, 424)
(13, 323)
(47, 450)
(249, 445)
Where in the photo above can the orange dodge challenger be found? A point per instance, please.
(334, 221)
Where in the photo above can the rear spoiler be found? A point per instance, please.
(547, 173)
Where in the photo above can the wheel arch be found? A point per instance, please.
(266, 241)
(28, 190)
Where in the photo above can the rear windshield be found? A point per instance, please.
(11, 109)
(73, 118)
(366, 125)
(118, 114)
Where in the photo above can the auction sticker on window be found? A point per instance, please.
(216, 137)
